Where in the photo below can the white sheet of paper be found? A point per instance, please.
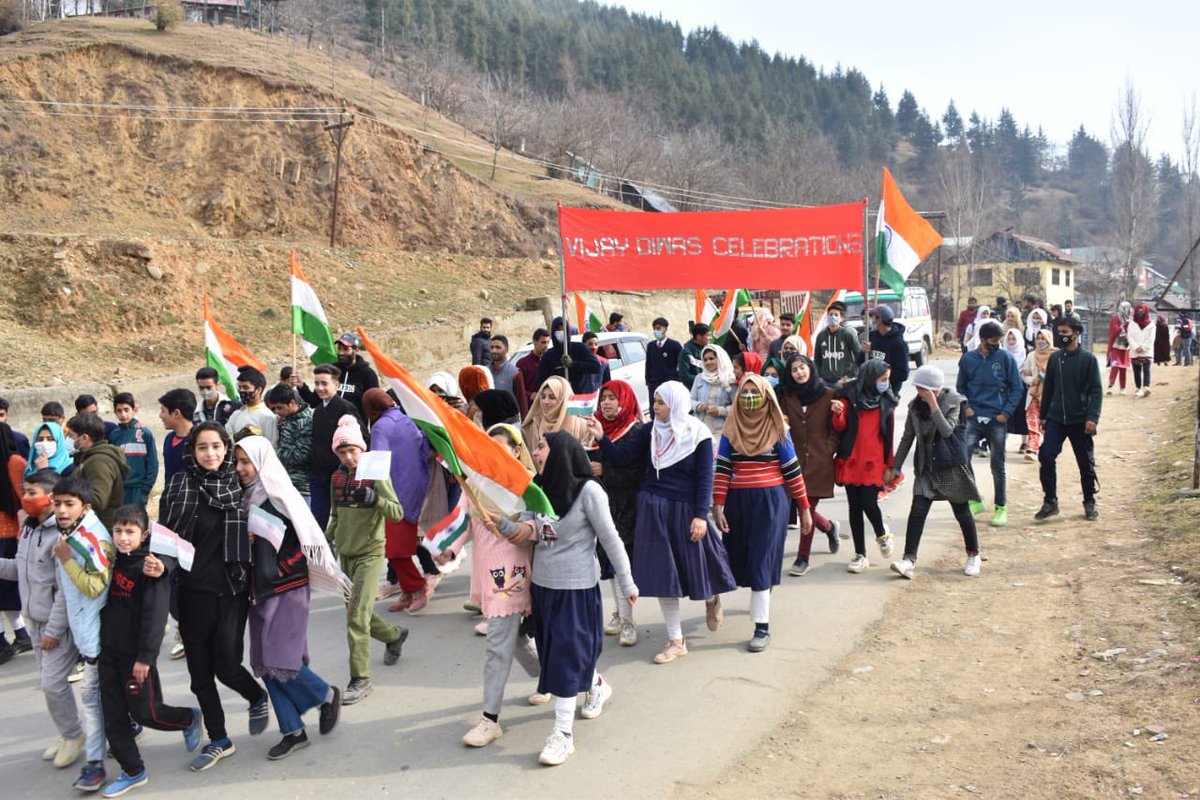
(374, 465)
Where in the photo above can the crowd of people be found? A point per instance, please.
(693, 500)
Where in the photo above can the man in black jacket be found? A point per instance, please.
(579, 363)
(324, 422)
(662, 359)
(357, 375)
(887, 343)
(481, 344)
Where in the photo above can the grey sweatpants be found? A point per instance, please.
(504, 642)
(54, 666)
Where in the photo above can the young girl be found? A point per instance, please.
(676, 551)
(971, 334)
(503, 568)
(12, 468)
(1141, 348)
(568, 613)
(131, 633)
(940, 471)
(619, 416)
(1033, 373)
(203, 504)
(1118, 345)
(49, 450)
(549, 413)
(280, 583)
(809, 407)
(865, 423)
(755, 461)
(743, 363)
(712, 392)
(1014, 345)
(1012, 322)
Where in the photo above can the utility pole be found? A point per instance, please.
(337, 132)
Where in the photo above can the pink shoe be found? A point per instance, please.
(676, 648)
(388, 590)
(419, 601)
(402, 602)
(481, 628)
(431, 583)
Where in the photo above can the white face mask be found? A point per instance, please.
(558, 336)
(47, 449)
(835, 320)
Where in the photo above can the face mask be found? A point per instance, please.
(247, 398)
(1064, 341)
(751, 402)
(46, 449)
(660, 334)
(1042, 345)
(71, 445)
(882, 386)
(208, 394)
(773, 380)
(36, 506)
(558, 336)
(835, 320)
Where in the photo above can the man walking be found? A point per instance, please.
(1072, 394)
(528, 364)
(965, 318)
(481, 344)
(662, 358)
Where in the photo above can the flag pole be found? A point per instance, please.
(562, 285)
(866, 264)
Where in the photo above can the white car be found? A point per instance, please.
(626, 353)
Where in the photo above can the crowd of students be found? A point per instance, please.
(744, 439)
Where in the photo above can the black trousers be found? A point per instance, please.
(214, 632)
(916, 526)
(1052, 444)
(863, 500)
(122, 698)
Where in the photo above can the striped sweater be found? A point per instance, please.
(776, 467)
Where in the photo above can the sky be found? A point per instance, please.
(1054, 63)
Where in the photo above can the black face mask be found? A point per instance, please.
(1063, 341)
(247, 398)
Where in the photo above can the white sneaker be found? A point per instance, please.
(1146, 392)
(539, 699)
(614, 624)
(559, 747)
(484, 733)
(885, 542)
(594, 700)
(629, 634)
(973, 566)
(1137, 393)
(859, 564)
(1109, 390)
(53, 749)
(904, 568)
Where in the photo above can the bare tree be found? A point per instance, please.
(963, 193)
(696, 164)
(438, 78)
(501, 106)
(1133, 188)
(1190, 168)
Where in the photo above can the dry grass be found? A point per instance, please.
(1173, 519)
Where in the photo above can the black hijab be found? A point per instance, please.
(566, 471)
(496, 406)
(863, 394)
(8, 493)
(808, 392)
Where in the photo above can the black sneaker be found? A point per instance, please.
(799, 568)
(7, 651)
(92, 778)
(391, 653)
(22, 642)
(832, 535)
(356, 690)
(1089, 511)
(260, 716)
(211, 754)
(293, 741)
(1048, 510)
(330, 712)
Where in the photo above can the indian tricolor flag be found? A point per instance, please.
(87, 542)
(309, 321)
(449, 530)
(823, 323)
(224, 354)
(706, 309)
(487, 466)
(902, 237)
(585, 317)
(166, 542)
(723, 322)
(583, 405)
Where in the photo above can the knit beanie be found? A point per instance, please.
(348, 432)
(929, 377)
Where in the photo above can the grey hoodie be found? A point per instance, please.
(33, 569)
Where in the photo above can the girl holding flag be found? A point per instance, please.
(283, 571)
(551, 413)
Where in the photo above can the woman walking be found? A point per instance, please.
(1033, 373)
(712, 392)
(1118, 345)
(755, 462)
(939, 467)
(971, 334)
(1141, 348)
(809, 406)
(1014, 345)
(1162, 341)
(676, 552)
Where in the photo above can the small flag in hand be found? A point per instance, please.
(166, 542)
(267, 525)
(583, 405)
(446, 532)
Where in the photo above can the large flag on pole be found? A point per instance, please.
(587, 319)
(224, 354)
(706, 309)
(488, 468)
(309, 321)
(721, 325)
(823, 323)
(902, 237)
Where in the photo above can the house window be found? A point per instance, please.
(1067, 275)
(1056, 276)
(1027, 277)
(981, 276)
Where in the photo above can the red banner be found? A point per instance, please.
(778, 248)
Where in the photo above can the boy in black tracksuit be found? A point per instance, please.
(131, 632)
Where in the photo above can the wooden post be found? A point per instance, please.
(338, 132)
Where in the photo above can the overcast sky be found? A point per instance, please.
(1054, 63)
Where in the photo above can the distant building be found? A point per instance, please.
(1012, 265)
(1102, 276)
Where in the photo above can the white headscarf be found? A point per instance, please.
(1034, 323)
(972, 332)
(798, 342)
(1014, 345)
(274, 484)
(724, 372)
(676, 439)
(446, 382)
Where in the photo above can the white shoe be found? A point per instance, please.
(629, 634)
(559, 747)
(1109, 390)
(1146, 392)
(1122, 392)
(484, 733)
(859, 564)
(52, 750)
(904, 568)
(594, 700)
(885, 542)
(973, 566)
(614, 624)
(539, 699)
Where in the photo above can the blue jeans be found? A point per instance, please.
(95, 744)
(318, 497)
(996, 433)
(292, 698)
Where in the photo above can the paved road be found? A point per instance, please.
(664, 724)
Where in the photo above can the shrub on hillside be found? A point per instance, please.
(168, 14)
(10, 16)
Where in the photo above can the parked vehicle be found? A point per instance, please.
(626, 353)
(912, 310)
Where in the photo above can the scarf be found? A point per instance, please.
(796, 342)
(274, 484)
(1142, 315)
(1035, 322)
(765, 331)
(8, 493)
(474, 379)
(539, 422)
(809, 392)
(218, 489)
(628, 412)
(752, 362)
(1012, 320)
(445, 383)
(1041, 358)
(1014, 346)
(565, 473)
(723, 374)
(754, 433)
(496, 406)
(61, 458)
(862, 394)
(1125, 312)
(676, 438)
(374, 402)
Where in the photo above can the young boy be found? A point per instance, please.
(85, 554)
(99, 462)
(295, 434)
(45, 611)
(137, 442)
(176, 409)
(253, 417)
(357, 512)
(131, 632)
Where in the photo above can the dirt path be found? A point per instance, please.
(1068, 670)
